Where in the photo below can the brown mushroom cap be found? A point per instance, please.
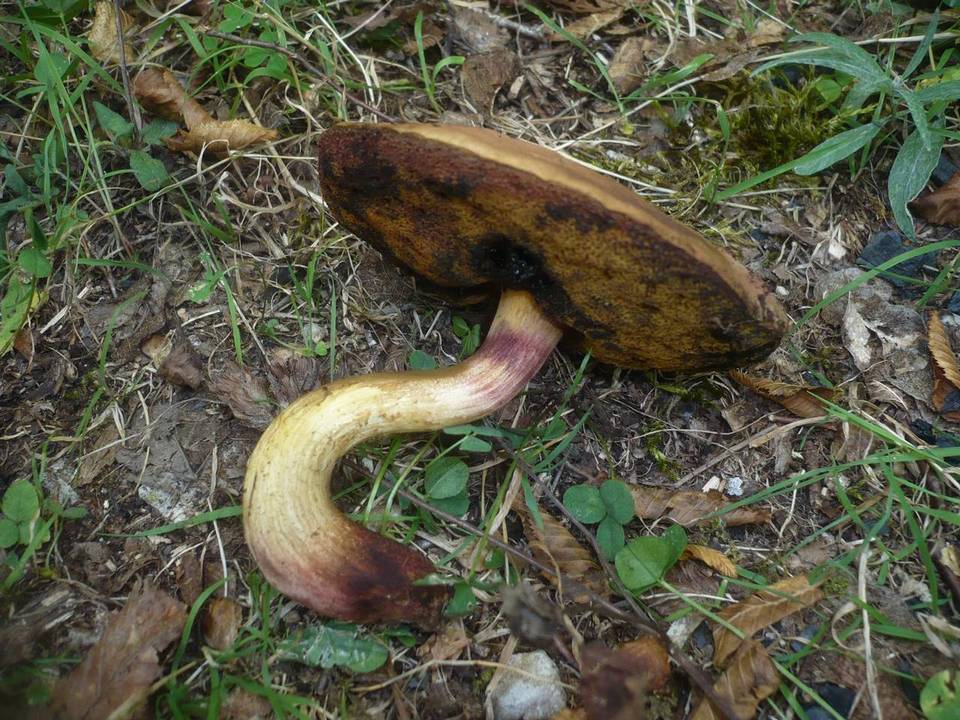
(465, 207)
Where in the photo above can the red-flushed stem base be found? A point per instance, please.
(303, 544)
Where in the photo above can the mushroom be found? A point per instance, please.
(570, 250)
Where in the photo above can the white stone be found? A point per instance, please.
(533, 693)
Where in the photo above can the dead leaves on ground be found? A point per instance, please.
(713, 559)
(942, 206)
(615, 684)
(103, 36)
(556, 547)
(118, 671)
(750, 679)
(690, 507)
(760, 610)
(946, 373)
(802, 400)
(162, 94)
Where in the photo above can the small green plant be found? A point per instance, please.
(940, 697)
(334, 644)
(610, 506)
(923, 105)
(430, 76)
(644, 561)
(445, 485)
(469, 335)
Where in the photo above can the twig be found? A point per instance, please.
(294, 55)
(124, 71)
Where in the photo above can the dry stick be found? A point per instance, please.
(124, 71)
(696, 674)
(311, 68)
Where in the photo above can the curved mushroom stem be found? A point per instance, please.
(303, 544)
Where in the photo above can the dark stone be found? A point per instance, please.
(836, 696)
(923, 430)
(884, 246)
(954, 304)
(951, 403)
(944, 170)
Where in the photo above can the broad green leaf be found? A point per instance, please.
(472, 443)
(419, 360)
(921, 52)
(9, 533)
(617, 500)
(235, 17)
(20, 502)
(643, 562)
(859, 93)
(463, 601)
(843, 48)
(446, 477)
(940, 697)
(911, 170)
(150, 172)
(14, 308)
(584, 503)
(156, 131)
(115, 124)
(15, 184)
(834, 61)
(835, 149)
(34, 263)
(944, 91)
(333, 645)
(610, 537)
(456, 505)
(918, 112)
(676, 539)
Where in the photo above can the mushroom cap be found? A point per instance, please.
(468, 208)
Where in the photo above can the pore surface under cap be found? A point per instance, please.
(464, 207)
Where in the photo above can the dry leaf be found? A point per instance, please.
(161, 94)
(942, 206)
(484, 75)
(119, 670)
(713, 559)
(197, 8)
(945, 398)
(689, 507)
(103, 38)
(182, 366)
(750, 679)
(532, 619)
(556, 547)
(476, 30)
(218, 137)
(940, 349)
(292, 375)
(760, 610)
(244, 705)
(585, 7)
(584, 27)
(446, 645)
(245, 394)
(100, 456)
(23, 344)
(802, 400)
(431, 35)
(615, 684)
(220, 622)
(628, 65)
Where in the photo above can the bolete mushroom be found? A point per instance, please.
(570, 250)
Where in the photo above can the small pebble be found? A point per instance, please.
(945, 170)
(519, 696)
(884, 246)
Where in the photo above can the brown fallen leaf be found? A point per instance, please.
(584, 7)
(556, 547)
(218, 137)
(120, 668)
(628, 65)
(750, 679)
(584, 27)
(161, 94)
(446, 645)
(532, 618)
(103, 38)
(942, 206)
(291, 375)
(197, 8)
(241, 704)
(615, 684)
(245, 394)
(484, 75)
(713, 559)
(182, 366)
(802, 400)
(945, 397)
(689, 507)
(941, 351)
(760, 610)
(220, 622)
